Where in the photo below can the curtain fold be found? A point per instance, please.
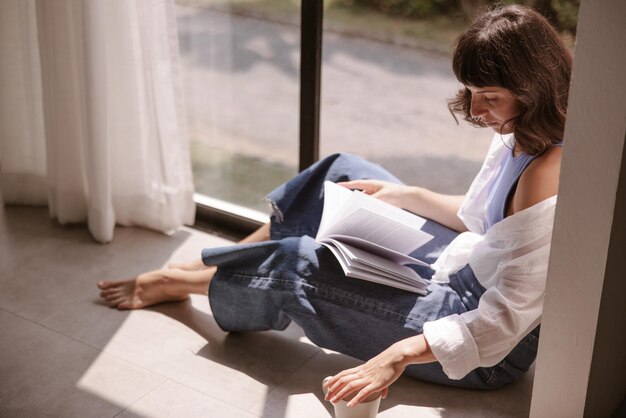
(101, 99)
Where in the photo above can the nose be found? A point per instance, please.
(477, 109)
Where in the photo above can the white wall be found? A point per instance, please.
(581, 365)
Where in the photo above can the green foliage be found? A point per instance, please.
(407, 8)
(563, 13)
(567, 13)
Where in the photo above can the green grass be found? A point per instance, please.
(234, 177)
(435, 33)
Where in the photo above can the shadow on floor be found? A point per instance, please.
(232, 350)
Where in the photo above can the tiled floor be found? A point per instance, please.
(64, 354)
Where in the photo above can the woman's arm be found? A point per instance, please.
(381, 371)
(441, 208)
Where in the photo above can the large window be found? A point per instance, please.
(388, 104)
(386, 77)
(241, 78)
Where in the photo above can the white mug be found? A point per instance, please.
(361, 410)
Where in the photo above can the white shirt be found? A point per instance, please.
(510, 260)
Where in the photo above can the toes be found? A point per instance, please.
(115, 302)
(118, 284)
(110, 292)
(115, 299)
(104, 285)
(126, 304)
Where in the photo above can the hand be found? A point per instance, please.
(392, 193)
(380, 372)
(368, 379)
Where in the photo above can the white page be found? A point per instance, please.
(362, 274)
(343, 262)
(365, 275)
(362, 259)
(354, 199)
(353, 268)
(356, 270)
(378, 222)
(381, 230)
(376, 249)
(335, 197)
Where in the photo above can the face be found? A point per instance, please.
(493, 106)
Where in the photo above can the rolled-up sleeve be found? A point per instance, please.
(452, 344)
(512, 265)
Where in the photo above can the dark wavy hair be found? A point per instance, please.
(514, 47)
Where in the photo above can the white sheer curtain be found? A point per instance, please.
(92, 120)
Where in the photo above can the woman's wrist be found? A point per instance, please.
(415, 350)
(413, 199)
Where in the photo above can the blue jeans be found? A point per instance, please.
(267, 285)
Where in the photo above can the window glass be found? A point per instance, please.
(241, 84)
(386, 77)
(387, 103)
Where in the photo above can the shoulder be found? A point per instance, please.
(539, 181)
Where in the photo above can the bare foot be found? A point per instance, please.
(154, 287)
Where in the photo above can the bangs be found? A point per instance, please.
(475, 63)
(515, 48)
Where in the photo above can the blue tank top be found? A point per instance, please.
(505, 184)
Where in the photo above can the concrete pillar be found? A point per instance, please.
(581, 365)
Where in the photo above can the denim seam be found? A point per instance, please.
(330, 293)
(493, 371)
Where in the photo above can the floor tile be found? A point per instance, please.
(66, 354)
(43, 373)
(46, 267)
(182, 342)
(301, 396)
(175, 400)
(409, 396)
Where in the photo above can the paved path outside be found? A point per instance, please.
(384, 102)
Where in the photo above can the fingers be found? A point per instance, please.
(368, 186)
(364, 393)
(363, 387)
(357, 380)
(348, 389)
(332, 381)
(340, 379)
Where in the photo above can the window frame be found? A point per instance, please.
(231, 219)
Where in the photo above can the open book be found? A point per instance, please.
(371, 238)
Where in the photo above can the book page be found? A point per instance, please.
(367, 261)
(375, 249)
(380, 229)
(335, 197)
(370, 219)
(374, 277)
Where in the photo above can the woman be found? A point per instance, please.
(478, 325)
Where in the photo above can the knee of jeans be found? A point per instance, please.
(293, 258)
(345, 158)
(345, 166)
